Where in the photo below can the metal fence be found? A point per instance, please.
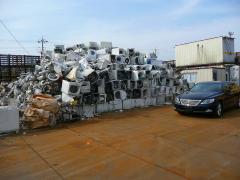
(11, 66)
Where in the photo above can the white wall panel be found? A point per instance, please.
(209, 51)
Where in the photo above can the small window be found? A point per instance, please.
(214, 75)
(190, 77)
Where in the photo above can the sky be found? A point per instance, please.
(141, 24)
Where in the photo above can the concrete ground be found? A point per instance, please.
(150, 143)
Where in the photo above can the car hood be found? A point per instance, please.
(199, 95)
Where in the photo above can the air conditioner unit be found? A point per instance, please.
(135, 75)
(104, 74)
(163, 81)
(133, 84)
(87, 99)
(110, 97)
(158, 81)
(155, 92)
(148, 74)
(137, 60)
(94, 87)
(92, 77)
(108, 88)
(153, 83)
(134, 60)
(118, 51)
(91, 55)
(121, 66)
(101, 52)
(169, 82)
(146, 83)
(101, 86)
(131, 52)
(71, 88)
(127, 83)
(113, 75)
(102, 64)
(139, 84)
(124, 75)
(95, 98)
(135, 67)
(168, 90)
(59, 49)
(136, 93)
(147, 67)
(85, 87)
(141, 93)
(120, 59)
(92, 45)
(163, 89)
(106, 57)
(102, 98)
(116, 85)
(129, 94)
(155, 74)
(104, 44)
(124, 84)
(127, 60)
(113, 58)
(145, 93)
(112, 85)
(141, 74)
(120, 95)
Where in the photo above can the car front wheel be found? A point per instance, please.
(219, 110)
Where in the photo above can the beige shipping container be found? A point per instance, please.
(218, 50)
(205, 74)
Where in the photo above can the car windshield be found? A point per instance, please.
(207, 87)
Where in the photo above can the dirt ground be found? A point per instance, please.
(150, 143)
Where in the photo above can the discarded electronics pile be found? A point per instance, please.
(88, 79)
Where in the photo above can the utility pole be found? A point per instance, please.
(42, 41)
(230, 34)
(155, 50)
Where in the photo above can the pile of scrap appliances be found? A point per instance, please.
(85, 80)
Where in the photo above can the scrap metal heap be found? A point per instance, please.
(87, 79)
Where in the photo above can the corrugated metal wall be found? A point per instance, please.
(210, 51)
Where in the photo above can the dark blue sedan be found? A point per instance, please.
(209, 98)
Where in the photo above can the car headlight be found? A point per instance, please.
(208, 101)
(177, 100)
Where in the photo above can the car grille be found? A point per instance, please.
(190, 102)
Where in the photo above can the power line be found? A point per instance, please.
(8, 30)
(25, 41)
